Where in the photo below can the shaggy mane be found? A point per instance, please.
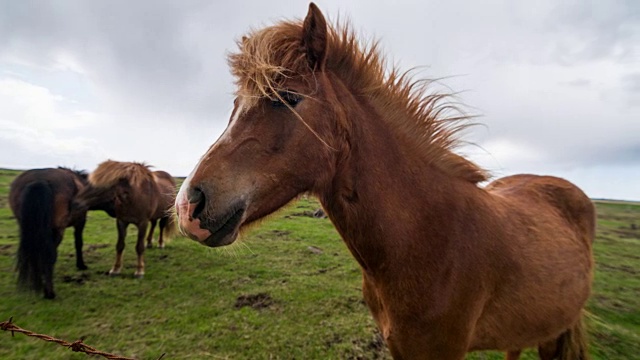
(431, 120)
(109, 172)
(82, 174)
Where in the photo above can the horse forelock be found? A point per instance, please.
(110, 172)
(433, 120)
(266, 58)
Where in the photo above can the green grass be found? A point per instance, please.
(288, 290)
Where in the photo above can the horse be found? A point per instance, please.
(138, 196)
(449, 265)
(41, 203)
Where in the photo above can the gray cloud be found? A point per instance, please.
(631, 83)
(602, 29)
(558, 80)
(578, 82)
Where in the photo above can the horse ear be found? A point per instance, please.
(314, 37)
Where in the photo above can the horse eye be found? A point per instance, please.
(290, 98)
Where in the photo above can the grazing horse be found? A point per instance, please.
(138, 196)
(448, 266)
(41, 203)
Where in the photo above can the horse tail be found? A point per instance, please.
(171, 229)
(573, 344)
(37, 250)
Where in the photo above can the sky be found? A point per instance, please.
(556, 83)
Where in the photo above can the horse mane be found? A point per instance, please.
(81, 174)
(109, 173)
(431, 120)
(161, 174)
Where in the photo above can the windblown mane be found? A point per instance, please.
(109, 172)
(432, 120)
(82, 174)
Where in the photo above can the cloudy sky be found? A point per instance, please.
(557, 82)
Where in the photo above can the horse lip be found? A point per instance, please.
(225, 231)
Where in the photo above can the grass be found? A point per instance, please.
(288, 290)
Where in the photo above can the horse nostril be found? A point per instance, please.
(196, 196)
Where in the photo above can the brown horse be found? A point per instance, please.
(448, 266)
(41, 202)
(138, 196)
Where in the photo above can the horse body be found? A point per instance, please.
(132, 189)
(41, 202)
(448, 266)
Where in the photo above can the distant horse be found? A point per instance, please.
(41, 202)
(448, 267)
(138, 196)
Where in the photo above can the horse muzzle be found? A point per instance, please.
(201, 225)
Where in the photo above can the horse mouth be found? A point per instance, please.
(225, 229)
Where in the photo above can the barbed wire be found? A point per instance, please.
(76, 346)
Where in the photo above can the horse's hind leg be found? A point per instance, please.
(78, 228)
(51, 257)
(150, 236)
(163, 225)
(122, 233)
(513, 355)
(142, 228)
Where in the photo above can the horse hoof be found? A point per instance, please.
(113, 273)
(138, 276)
(149, 246)
(49, 295)
(82, 267)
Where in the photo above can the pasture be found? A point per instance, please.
(288, 290)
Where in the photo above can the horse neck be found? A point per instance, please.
(386, 200)
(96, 198)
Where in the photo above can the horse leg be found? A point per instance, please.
(142, 228)
(549, 350)
(513, 355)
(163, 225)
(50, 262)
(570, 345)
(78, 228)
(410, 343)
(122, 233)
(150, 236)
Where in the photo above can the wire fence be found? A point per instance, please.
(76, 346)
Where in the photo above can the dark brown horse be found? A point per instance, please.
(448, 266)
(41, 201)
(138, 196)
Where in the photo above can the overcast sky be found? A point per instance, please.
(557, 82)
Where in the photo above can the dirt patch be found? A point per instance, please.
(314, 249)
(79, 279)
(373, 348)
(257, 301)
(628, 232)
(318, 214)
(624, 268)
(6, 249)
(94, 247)
(336, 339)
(280, 233)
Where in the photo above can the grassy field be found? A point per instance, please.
(288, 290)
